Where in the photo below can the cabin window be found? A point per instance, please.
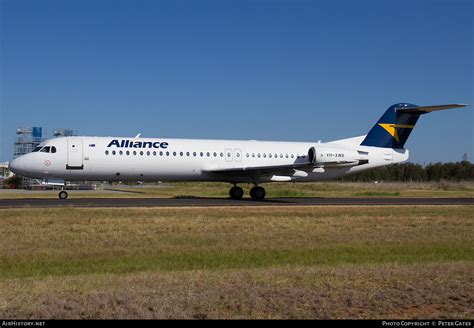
(106, 152)
(154, 153)
(247, 155)
(264, 155)
(292, 156)
(208, 154)
(253, 154)
(215, 154)
(161, 153)
(167, 153)
(148, 153)
(127, 152)
(113, 152)
(222, 154)
(187, 153)
(181, 154)
(134, 152)
(270, 155)
(121, 152)
(174, 153)
(201, 153)
(258, 155)
(194, 154)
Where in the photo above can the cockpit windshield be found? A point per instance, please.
(45, 149)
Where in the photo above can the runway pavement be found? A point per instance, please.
(207, 202)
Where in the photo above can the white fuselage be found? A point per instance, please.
(146, 159)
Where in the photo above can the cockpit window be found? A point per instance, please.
(45, 149)
(53, 149)
(36, 149)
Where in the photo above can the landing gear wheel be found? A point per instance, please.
(62, 194)
(257, 193)
(236, 192)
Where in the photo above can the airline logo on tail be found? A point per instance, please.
(392, 129)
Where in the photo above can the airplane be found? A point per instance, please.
(85, 158)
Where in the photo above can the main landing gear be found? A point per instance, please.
(256, 193)
(62, 194)
(236, 192)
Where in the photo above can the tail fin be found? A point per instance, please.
(394, 127)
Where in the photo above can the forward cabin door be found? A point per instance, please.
(74, 154)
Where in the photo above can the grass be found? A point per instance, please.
(303, 262)
(31, 267)
(316, 189)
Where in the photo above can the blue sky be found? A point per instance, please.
(267, 70)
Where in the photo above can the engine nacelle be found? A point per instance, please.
(312, 155)
(333, 156)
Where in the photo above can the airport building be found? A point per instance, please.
(4, 174)
(63, 133)
(27, 139)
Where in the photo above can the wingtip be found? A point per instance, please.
(458, 105)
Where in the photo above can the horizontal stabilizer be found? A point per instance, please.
(428, 109)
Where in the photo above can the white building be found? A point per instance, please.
(4, 171)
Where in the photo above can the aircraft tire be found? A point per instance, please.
(257, 193)
(63, 194)
(236, 192)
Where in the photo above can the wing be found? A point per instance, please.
(291, 170)
(252, 171)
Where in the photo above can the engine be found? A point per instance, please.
(326, 156)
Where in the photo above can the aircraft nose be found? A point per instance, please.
(16, 166)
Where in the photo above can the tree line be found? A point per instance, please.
(459, 171)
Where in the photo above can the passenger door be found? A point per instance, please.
(74, 154)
